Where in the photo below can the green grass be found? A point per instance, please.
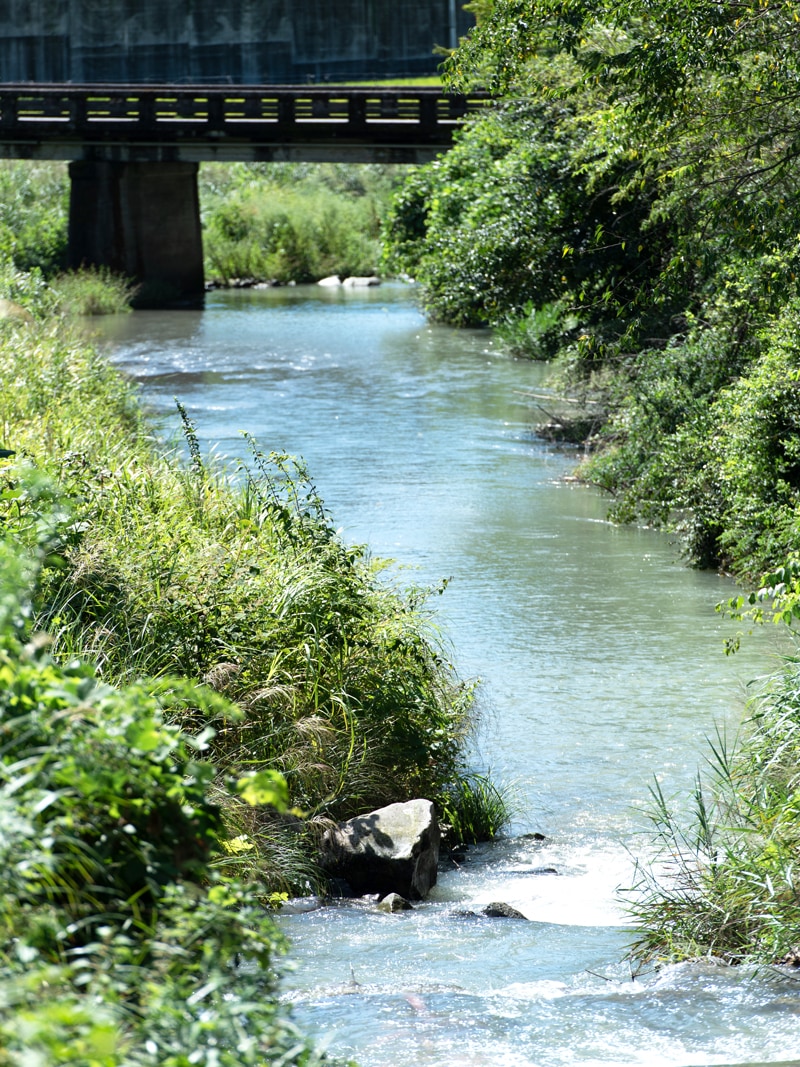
(475, 810)
(92, 291)
(293, 222)
(724, 883)
(120, 940)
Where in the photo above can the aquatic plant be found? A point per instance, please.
(724, 882)
(475, 809)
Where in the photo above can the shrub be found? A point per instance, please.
(118, 944)
(159, 567)
(704, 439)
(33, 215)
(92, 291)
(285, 222)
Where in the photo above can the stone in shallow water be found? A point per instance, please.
(361, 282)
(501, 911)
(392, 850)
(394, 902)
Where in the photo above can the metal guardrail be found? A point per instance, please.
(286, 114)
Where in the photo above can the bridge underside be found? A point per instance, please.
(141, 220)
(231, 151)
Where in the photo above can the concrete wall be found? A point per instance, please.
(236, 41)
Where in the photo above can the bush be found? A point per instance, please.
(163, 568)
(118, 943)
(715, 454)
(286, 222)
(92, 291)
(34, 200)
(508, 224)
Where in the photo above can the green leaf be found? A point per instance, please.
(264, 787)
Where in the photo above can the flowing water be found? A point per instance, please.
(602, 670)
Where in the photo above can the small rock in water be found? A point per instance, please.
(301, 905)
(394, 902)
(356, 282)
(499, 910)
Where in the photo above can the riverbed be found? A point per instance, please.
(602, 672)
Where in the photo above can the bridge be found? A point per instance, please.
(149, 124)
(135, 94)
(134, 153)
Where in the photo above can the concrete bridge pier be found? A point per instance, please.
(141, 220)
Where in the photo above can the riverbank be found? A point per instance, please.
(268, 222)
(286, 673)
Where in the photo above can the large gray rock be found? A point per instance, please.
(392, 850)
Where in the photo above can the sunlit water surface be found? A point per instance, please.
(602, 671)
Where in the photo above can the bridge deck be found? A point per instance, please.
(195, 123)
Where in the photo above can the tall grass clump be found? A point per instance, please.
(235, 580)
(292, 222)
(92, 291)
(725, 883)
(71, 294)
(475, 809)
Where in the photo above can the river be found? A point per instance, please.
(601, 666)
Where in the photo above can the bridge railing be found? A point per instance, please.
(271, 112)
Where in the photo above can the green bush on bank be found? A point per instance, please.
(292, 222)
(161, 568)
(628, 208)
(77, 293)
(705, 440)
(119, 944)
(34, 199)
(508, 223)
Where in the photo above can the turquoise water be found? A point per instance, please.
(601, 667)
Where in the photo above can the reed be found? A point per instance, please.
(724, 882)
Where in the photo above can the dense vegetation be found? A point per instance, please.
(630, 208)
(300, 222)
(120, 941)
(263, 222)
(164, 569)
(198, 675)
